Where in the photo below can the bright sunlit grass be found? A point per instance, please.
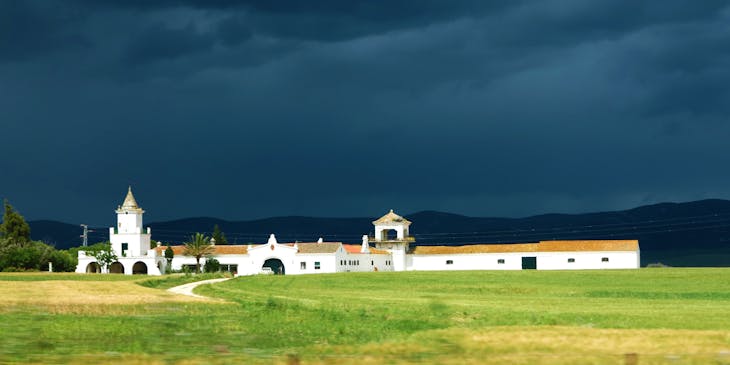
(663, 315)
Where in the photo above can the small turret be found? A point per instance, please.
(129, 238)
(398, 244)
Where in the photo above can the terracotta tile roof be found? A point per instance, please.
(352, 248)
(318, 247)
(590, 245)
(439, 250)
(542, 246)
(357, 248)
(219, 250)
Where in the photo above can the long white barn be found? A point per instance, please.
(388, 250)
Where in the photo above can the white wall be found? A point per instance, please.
(328, 263)
(151, 260)
(587, 260)
(138, 243)
(129, 222)
(365, 262)
(513, 261)
(483, 261)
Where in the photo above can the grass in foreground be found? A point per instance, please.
(169, 281)
(664, 315)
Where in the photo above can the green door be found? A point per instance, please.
(529, 263)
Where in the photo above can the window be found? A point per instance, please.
(125, 247)
(604, 259)
(372, 262)
(571, 260)
(303, 265)
(500, 261)
(449, 262)
(316, 265)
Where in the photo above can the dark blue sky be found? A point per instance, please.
(247, 109)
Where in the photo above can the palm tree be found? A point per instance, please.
(198, 246)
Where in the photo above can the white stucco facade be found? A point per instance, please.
(588, 260)
(392, 251)
(292, 258)
(130, 242)
(474, 261)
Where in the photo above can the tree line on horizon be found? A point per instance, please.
(19, 253)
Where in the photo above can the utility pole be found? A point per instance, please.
(85, 236)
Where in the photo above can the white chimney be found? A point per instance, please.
(365, 244)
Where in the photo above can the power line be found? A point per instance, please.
(637, 226)
(651, 226)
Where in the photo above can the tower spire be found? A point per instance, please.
(129, 201)
(130, 204)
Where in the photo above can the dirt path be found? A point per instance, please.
(187, 289)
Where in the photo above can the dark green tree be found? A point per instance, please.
(63, 261)
(169, 255)
(198, 246)
(211, 265)
(14, 229)
(218, 236)
(30, 256)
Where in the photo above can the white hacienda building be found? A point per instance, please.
(392, 251)
(131, 244)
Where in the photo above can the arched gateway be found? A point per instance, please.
(276, 266)
(139, 268)
(92, 268)
(116, 268)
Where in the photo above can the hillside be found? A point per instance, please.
(678, 234)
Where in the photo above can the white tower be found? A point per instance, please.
(129, 238)
(398, 244)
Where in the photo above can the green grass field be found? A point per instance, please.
(672, 316)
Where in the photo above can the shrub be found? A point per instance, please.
(63, 261)
(29, 256)
(212, 265)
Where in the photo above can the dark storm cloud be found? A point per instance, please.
(29, 29)
(328, 19)
(159, 42)
(253, 108)
(234, 31)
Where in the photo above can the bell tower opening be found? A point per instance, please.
(391, 234)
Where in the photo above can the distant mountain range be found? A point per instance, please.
(676, 234)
